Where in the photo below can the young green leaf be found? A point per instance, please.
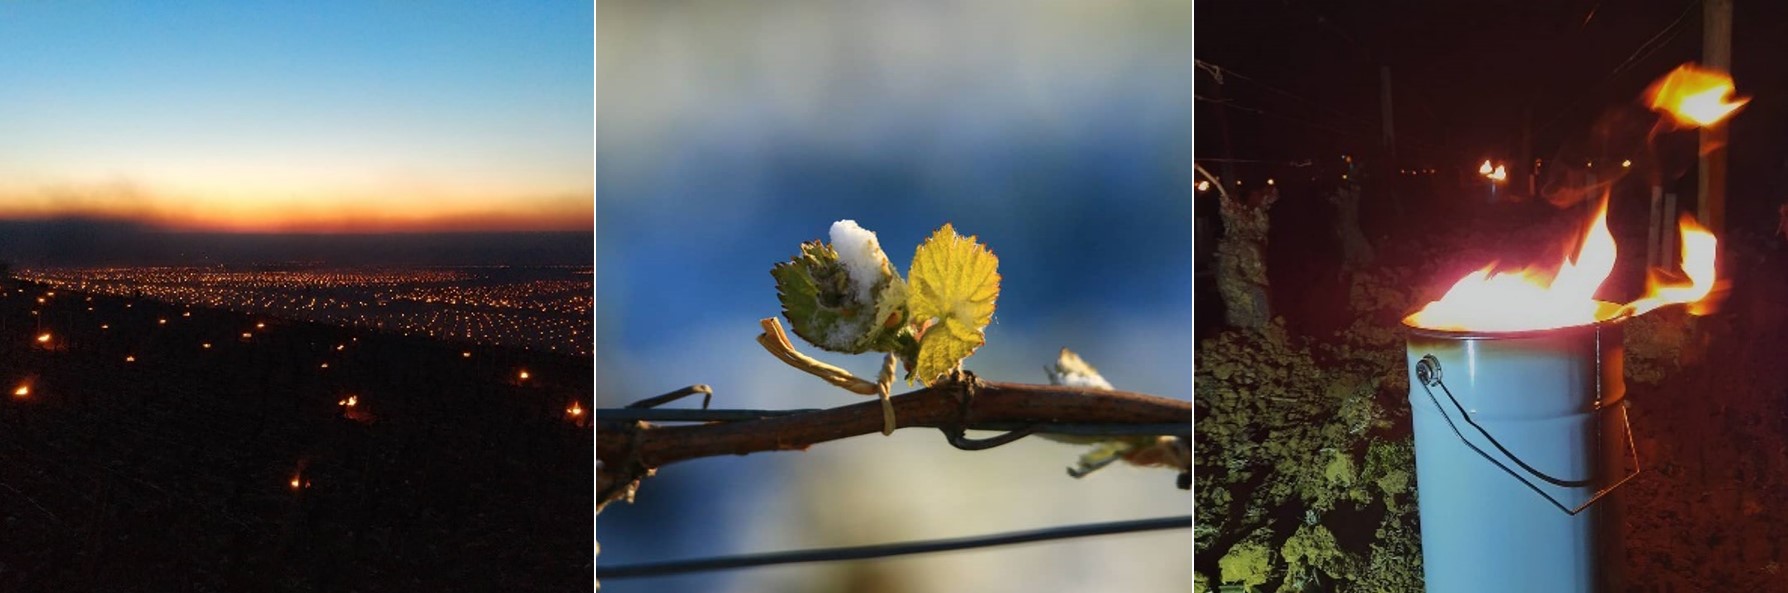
(953, 284)
(844, 296)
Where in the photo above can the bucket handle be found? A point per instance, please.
(1428, 374)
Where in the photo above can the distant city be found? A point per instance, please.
(540, 308)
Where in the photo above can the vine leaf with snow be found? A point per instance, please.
(845, 296)
(955, 281)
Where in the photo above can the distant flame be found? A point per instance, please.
(1499, 174)
(22, 391)
(575, 410)
(353, 400)
(1694, 96)
(43, 339)
(524, 375)
(1528, 300)
(1484, 169)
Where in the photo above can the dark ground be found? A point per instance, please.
(171, 473)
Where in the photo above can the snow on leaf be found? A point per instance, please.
(953, 284)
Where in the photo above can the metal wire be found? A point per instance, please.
(1062, 428)
(886, 550)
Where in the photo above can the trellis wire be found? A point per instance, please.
(886, 550)
(1063, 428)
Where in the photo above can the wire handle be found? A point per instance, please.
(1428, 374)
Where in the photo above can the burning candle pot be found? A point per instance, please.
(1521, 432)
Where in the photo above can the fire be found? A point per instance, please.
(43, 338)
(1698, 250)
(131, 358)
(296, 482)
(1499, 174)
(22, 391)
(466, 354)
(353, 400)
(1486, 300)
(575, 410)
(1694, 96)
(1484, 169)
(524, 375)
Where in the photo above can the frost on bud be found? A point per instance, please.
(845, 296)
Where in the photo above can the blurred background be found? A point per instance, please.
(1057, 132)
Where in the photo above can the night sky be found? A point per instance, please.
(1466, 75)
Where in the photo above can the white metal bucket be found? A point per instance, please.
(1519, 437)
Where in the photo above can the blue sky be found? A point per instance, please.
(307, 116)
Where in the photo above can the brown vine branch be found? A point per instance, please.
(628, 451)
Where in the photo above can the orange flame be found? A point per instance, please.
(1484, 169)
(1527, 300)
(1694, 96)
(1499, 174)
(1698, 252)
(43, 338)
(22, 391)
(575, 410)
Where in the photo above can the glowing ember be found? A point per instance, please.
(130, 359)
(1484, 169)
(260, 326)
(1529, 300)
(22, 391)
(524, 375)
(575, 410)
(296, 482)
(353, 400)
(43, 338)
(467, 354)
(1694, 96)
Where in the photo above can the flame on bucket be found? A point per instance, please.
(1698, 253)
(1694, 96)
(1529, 299)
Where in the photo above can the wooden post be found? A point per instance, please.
(1667, 239)
(1716, 53)
(1390, 137)
(1654, 251)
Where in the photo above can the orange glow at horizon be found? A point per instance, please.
(305, 211)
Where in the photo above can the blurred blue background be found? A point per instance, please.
(1058, 132)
